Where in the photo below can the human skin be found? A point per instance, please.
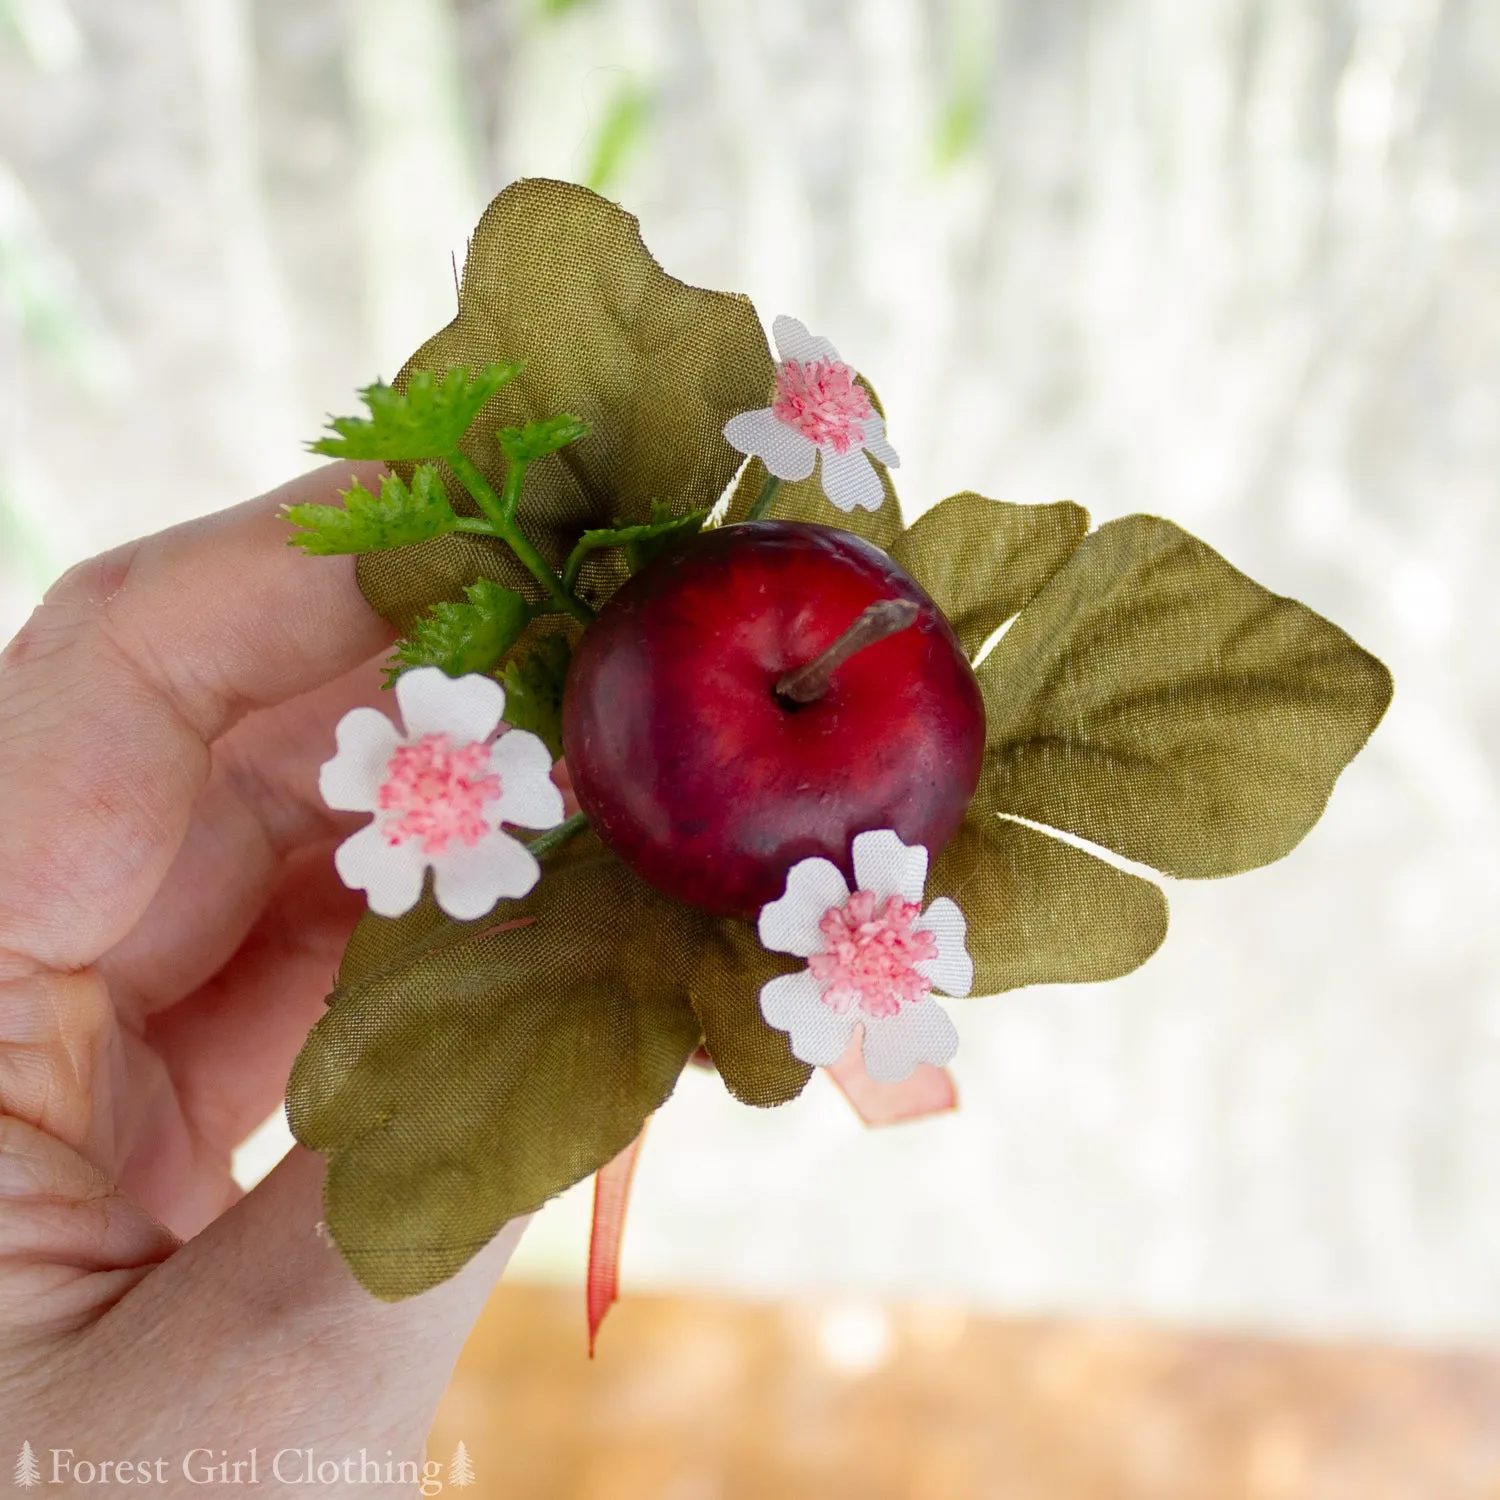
(169, 925)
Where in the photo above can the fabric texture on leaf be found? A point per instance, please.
(982, 560)
(381, 943)
(1154, 700)
(1041, 911)
(754, 1060)
(478, 1069)
(559, 278)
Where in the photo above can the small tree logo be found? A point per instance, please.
(28, 1470)
(461, 1470)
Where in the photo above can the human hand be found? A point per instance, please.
(170, 922)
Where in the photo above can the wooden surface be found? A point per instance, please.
(701, 1399)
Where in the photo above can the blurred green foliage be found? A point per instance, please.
(968, 45)
(627, 118)
(959, 124)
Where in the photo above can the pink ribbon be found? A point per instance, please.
(611, 1199)
(928, 1091)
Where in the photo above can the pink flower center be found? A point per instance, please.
(823, 402)
(437, 793)
(872, 955)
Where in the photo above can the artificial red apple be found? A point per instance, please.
(689, 753)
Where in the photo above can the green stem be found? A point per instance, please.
(510, 491)
(477, 524)
(501, 510)
(574, 566)
(763, 500)
(554, 838)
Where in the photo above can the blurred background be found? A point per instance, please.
(1236, 262)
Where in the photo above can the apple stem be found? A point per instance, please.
(885, 617)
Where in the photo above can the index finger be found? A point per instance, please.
(113, 691)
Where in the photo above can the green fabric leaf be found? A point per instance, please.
(805, 500)
(1041, 911)
(753, 1058)
(981, 560)
(405, 583)
(478, 1069)
(641, 542)
(462, 638)
(424, 416)
(534, 682)
(1155, 700)
(380, 943)
(537, 439)
(398, 517)
(557, 277)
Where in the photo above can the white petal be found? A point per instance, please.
(793, 1003)
(849, 480)
(782, 449)
(527, 793)
(921, 1033)
(877, 443)
(432, 702)
(468, 881)
(793, 341)
(351, 781)
(790, 923)
(391, 874)
(886, 866)
(952, 971)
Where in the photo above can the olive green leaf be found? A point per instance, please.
(380, 943)
(982, 560)
(424, 416)
(754, 1060)
(558, 278)
(641, 542)
(399, 516)
(534, 681)
(462, 638)
(1155, 700)
(479, 1069)
(403, 584)
(1041, 911)
(804, 500)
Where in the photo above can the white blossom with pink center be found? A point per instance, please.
(874, 960)
(820, 408)
(440, 793)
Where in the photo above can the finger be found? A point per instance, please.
(70, 1244)
(119, 1320)
(265, 1282)
(113, 691)
(229, 1047)
(259, 808)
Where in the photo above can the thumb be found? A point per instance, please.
(254, 1333)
